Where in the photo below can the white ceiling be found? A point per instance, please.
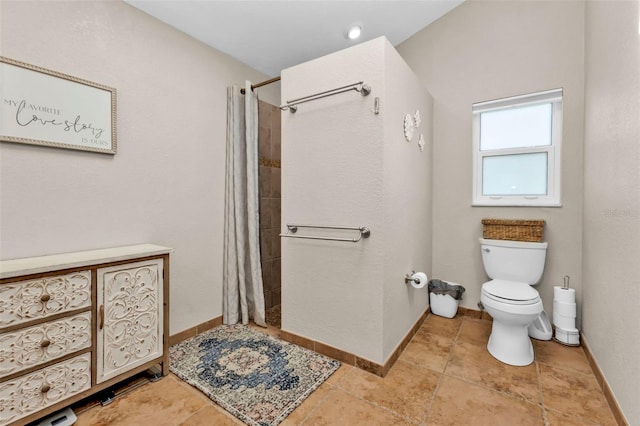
(271, 35)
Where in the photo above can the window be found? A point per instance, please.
(516, 150)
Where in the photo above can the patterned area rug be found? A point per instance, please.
(257, 378)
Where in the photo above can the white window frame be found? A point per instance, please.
(552, 198)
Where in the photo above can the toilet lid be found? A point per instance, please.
(510, 290)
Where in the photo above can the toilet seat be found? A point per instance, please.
(512, 292)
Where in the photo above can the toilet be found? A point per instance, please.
(513, 266)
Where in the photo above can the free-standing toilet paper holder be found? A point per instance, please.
(565, 331)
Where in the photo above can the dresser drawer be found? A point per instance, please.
(30, 300)
(31, 346)
(32, 392)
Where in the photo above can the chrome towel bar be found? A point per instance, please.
(363, 232)
(360, 87)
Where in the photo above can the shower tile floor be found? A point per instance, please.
(273, 316)
(444, 377)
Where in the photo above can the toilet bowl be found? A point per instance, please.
(509, 298)
(513, 306)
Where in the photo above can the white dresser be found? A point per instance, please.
(74, 324)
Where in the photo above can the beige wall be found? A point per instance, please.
(331, 175)
(343, 166)
(166, 183)
(486, 50)
(611, 246)
(407, 199)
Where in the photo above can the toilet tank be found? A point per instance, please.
(513, 260)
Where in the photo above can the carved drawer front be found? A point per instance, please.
(34, 299)
(130, 327)
(35, 345)
(35, 391)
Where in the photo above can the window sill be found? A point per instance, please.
(511, 203)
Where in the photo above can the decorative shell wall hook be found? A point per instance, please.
(416, 118)
(421, 143)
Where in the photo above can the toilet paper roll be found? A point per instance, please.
(566, 323)
(564, 309)
(564, 295)
(422, 280)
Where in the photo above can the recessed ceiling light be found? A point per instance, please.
(354, 32)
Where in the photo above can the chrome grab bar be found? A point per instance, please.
(363, 232)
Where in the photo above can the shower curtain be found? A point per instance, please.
(243, 296)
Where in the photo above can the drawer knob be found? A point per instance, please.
(45, 343)
(45, 297)
(45, 388)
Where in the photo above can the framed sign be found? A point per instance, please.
(44, 107)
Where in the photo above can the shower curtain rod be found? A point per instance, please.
(262, 83)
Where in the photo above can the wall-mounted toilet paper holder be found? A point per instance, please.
(409, 277)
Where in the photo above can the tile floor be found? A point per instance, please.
(444, 377)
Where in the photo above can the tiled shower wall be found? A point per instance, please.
(269, 157)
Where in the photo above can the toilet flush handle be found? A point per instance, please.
(486, 250)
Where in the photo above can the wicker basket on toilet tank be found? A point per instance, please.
(514, 230)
